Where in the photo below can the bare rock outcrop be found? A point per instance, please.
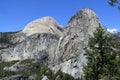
(43, 25)
(38, 46)
(71, 48)
(43, 41)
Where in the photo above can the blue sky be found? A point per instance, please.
(15, 14)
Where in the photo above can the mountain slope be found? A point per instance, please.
(46, 43)
(117, 35)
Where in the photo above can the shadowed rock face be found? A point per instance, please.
(117, 35)
(16, 77)
(43, 41)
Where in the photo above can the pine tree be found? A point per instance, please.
(102, 57)
(114, 3)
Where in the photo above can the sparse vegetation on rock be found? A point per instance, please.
(29, 70)
(4, 73)
(44, 47)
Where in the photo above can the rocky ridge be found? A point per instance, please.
(117, 35)
(46, 42)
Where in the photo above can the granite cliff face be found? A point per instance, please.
(48, 43)
(43, 25)
(70, 50)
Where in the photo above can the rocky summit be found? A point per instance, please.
(47, 43)
(43, 25)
